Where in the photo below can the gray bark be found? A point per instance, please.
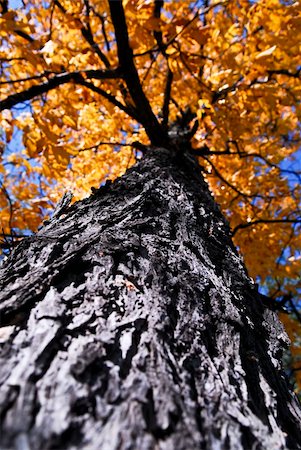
(131, 323)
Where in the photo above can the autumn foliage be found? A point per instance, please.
(76, 100)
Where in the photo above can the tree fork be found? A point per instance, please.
(131, 323)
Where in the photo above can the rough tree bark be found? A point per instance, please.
(131, 323)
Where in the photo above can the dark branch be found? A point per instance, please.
(10, 204)
(198, 13)
(158, 34)
(127, 109)
(35, 91)
(52, 83)
(137, 145)
(104, 33)
(4, 10)
(125, 55)
(103, 74)
(4, 6)
(158, 5)
(231, 186)
(24, 35)
(285, 72)
(167, 95)
(289, 299)
(222, 93)
(87, 34)
(22, 80)
(258, 221)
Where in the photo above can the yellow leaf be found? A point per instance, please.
(265, 53)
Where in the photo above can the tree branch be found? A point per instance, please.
(125, 55)
(24, 36)
(103, 74)
(285, 72)
(167, 95)
(52, 83)
(234, 188)
(158, 34)
(35, 91)
(4, 10)
(255, 222)
(137, 145)
(158, 5)
(87, 34)
(127, 109)
(10, 205)
(4, 6)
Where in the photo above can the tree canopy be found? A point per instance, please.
(86, 86)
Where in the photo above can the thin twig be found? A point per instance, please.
(88, 35)
(258, 221)
(234, 188)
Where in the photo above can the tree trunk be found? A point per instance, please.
(131, 323)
